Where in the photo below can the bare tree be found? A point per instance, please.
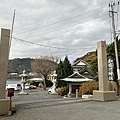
(43, 65)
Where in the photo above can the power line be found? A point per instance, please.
(51, 46)
(102, 22)
(55, 15)
(99, 24)
(64, 27)
(58, 22)
(71, 53)
(58, 48)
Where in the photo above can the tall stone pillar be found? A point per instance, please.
(102, 66)
(103, 94)
(4, 53)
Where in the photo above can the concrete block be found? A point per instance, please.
(4, 106)
(104, 95)
(23, 93)
(87, 96)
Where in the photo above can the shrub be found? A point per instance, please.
(88, 87)
(113, 86)
(62, 91)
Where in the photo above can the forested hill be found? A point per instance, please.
(17, 65)
(89, 57)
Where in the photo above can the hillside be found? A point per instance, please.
(89, 57)
(17, 65)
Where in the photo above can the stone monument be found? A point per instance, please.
(103, 94)
(4, 55)
(23, 82)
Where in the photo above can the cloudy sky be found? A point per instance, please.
(56, 27)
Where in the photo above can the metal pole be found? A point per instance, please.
(12, 28)
(10, 103)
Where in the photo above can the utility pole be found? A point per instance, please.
(111, 5)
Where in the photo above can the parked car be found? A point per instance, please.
(52, 90)
(16, 87)
(27, 86)
(33, 87)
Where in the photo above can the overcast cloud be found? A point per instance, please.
(74, 25)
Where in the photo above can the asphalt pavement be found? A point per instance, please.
(39, 105)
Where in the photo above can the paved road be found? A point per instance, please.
(39, 105)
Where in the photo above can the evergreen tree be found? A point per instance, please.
(67, 67)
(64, 69)
(94, 67)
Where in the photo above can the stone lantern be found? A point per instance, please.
(23, 82)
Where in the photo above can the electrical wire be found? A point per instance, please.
(51, 46)
(54, 15)
(63, 27)
(58, 21)
(99, 24)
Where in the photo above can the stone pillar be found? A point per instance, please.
(4, 53)
(103, 94)
(102, 66)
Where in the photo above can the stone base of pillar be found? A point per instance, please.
(23, 93)
(4, 106)
(104, 95)
(69, 95)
